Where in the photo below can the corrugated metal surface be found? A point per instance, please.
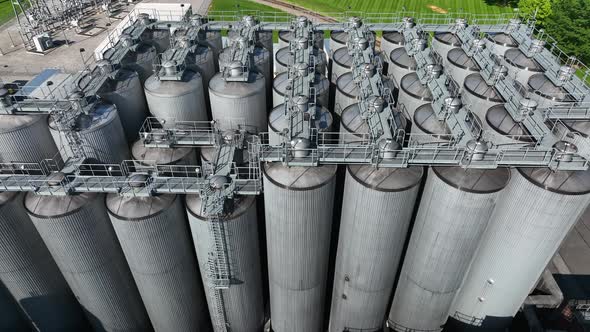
(163, 156)
(277, 122)
(285, 37)
(215, 43)
(31, 275)
(299, 203)
(25, 138)
(280, 83)
(243, 300)
(160, 38)
(154, 236)
(141, 60)
(527, 227)
(285, 60)
(376, 212)
(10, 319)
(445, 235)
(81, 239)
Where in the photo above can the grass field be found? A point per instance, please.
(6, 12)
(232, 5)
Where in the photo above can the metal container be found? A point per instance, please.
(154, 237)
(262, 63)
(427, 128)
(31, 275)
(299, 203)
(353, 128)
(500, 42)
(236, 104)
(454, 210)
(460, 65)
(376, 211)
(81, 239)
(285, 60)
(179, 100)
(400, 65)
(11, 318)
(521, 67)
(243, 300)
(532, 217)
(25, 138)
(263, 38)
(101, 132)
(338, 39)
(413, 94)
(502, 128)
(160, 38)
(163, 156)
(277, 122)
(214, 41)
(285, 37)
(547, 94)
(203, 60)
(479, 96)
(125, 92)
(442, 43)
(390, 41)
(281, 82)
(342, 64)
(141, 60)
(347, 93)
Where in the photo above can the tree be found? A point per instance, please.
(570, 26)
(542, 9)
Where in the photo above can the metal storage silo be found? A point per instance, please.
(546, 93)
(277, 122)
(376, 211)
(81, 239)
(30, 274)
(125, 92)
(285, 59)
(454, 210)
(215, 44)
(342, 64)
(390, 41)
(353, 128)
(281, 83)
(243, 300)
(400, 65)
(338, 39)
(413, 94)
(347, 93)
(532, 217)
(154, 237)
(521, 67)
(442, 43)
(261, 57)
(163, 156)
(299, 203)
(11, 318)
(203, 60)
(285, 37)
(479, 96)
(141, 60)
(426, 125)
(239, 103)
(500, 42)
(460, 65)
(25, 138)
(160, 38)
(180, 100)
(504, 129)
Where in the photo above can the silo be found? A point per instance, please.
(500, 42)
(442, 43)
(163, 156)
(285, 59)
(11, 318)
(180, 100)
(347, 93)
(243, 300)
(285, 37)
(400, 65)
(521, 67)
(454, 210)
(154, 237)
(341, 63)
(214, 42)
(239, 103)
(338, 39)
(125, 92)
(479, 96)
(101, 133)
(504, 129)
(413, 94)
(141, 60)
(426, 125)
(260, 56)
(281, 83)
(203, 60)
(299, 203)
(353, 128)
(546, 93)
(160, 38)
(390, 41)
(532, 217)
(460, 65)
(277, 121)
(376, 211)
(81, 239)
(25, 138)
(30, 274)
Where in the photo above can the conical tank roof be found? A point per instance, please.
(474, 180)
(137, 208)
(386, 179)
(561, 182)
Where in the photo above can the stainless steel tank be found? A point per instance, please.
(390, 41)
(521, 67)
(236, 104)
(163, 156)
(277, 122)
(25, 138)
(11, 318)
(427, 128)
(203, 60)
(400, 65)
(500, 42)
(341, 64)
(160, 38)
(413, 94)
(460, 65)
(243, 300)
(102, 134)
(338, 39)
(180, 100)
(353, 128)
(81, 239)
(285, 37)
(141, 60)
(503, 130)
(442, 43)
(454, 210)
(126, 92)
(262, 64)
(154, 237)
(30, 274)
(299, 203)
(281, 82)
(285, 60)
(532, 217)
(377, 209)
(479, 96)
(347, 93)
(214, 41)
(546, 93)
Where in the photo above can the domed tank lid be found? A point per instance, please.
(447, 38)
(516, 58)
(459, 58)
(427, 121)
(477, 86)
(240, 205)
(299, 178)
(346, 85)
(561, 182)
(45, 206)
(277, 120)
(342, 57)
(7, 196)
(137, 208)
(542, 86)
(394, 37)
(172, 89)
(386, 179)
(160, 156)
(500, 120)
(352, 121)
(502, 39)
(100, 116)
(474, 180)
(400, 57)
(340, 37)
(9, 122)
(411, 85)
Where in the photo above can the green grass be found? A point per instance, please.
(245, 5)
(6, 12)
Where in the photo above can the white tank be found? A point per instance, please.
(454, 210)
(460, 65)
(532, 217)
(413, 94)
(281, 82)
(285, 60)
(347, 93)
(243, 300)
(521, 67)
(377, 209)
(504, 130)
(547, 94)
(262, 64)
(500, 42)
(25, 138)
(203, 60)
(277, 122)
(214, 42)
(338, 40)
(341, 64)
(298, 206)
(425, 122)
(285, 37)
(479, 96)
(141, 60)
(163, 156)
(400, 65)
(442, 43)
(390, 41)
(353, 128)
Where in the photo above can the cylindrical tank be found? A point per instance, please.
(31, 275)
(203, 61)
(261, 57)
(479, 96)
(521, 67)
(281, 82)
(546, 93)
(102, 134)
(25, 138)
(442, 43)
(243, 300)
(285, 37)
(277, 121)
(503, 128)
(427, 127)
(500, 42)
(390, 41)
(353, 128)
(347, 92)
(454, 210)
(342, 63)
(11, 318)
(141, 60)
(160, 38)
(163, 156)
(154, 237)
(299, 203)
(125, 92)
(236, 104)
(413, 94)
(338, 40)
(214, 41)
(180, 100)
(460, 65)
(376, 211)
(81, 239)
(532, 217)
(285, 60)
(400, 65)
